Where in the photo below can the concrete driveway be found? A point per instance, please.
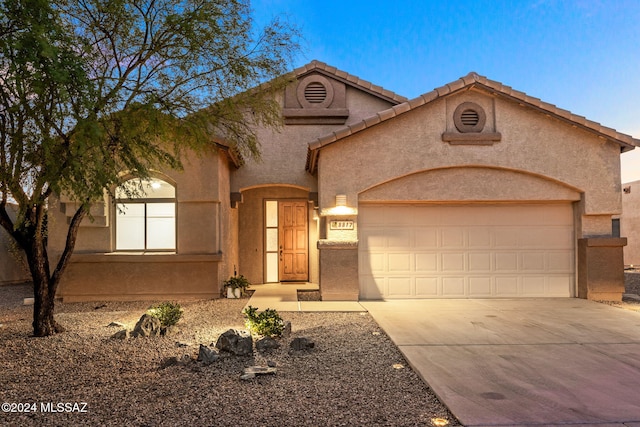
(522, 362)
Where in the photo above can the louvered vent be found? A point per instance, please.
(469, 117)
(315, 93)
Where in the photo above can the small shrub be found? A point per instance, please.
(237, 282)
(268, 323)
(169, 313)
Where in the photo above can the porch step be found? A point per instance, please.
(284, 297)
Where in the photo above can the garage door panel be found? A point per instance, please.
(453, 286)
(532, 262)
(400, 287)
(426, 262)
(479, 237)
(558, 285)
(401, 239)
(452, 238)
(479, 261)
(372, 239)
(507, 286)
(533, 286)
(373, 287)
(375, 263)
(453, 262)
(425, 238)
(560, 261)
(480, 286)
(427, 287)
(505, 238)
(506, 261)
(561, 237)
(399, 262)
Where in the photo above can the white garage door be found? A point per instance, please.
(471, 251)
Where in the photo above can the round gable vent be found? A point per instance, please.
(315, 93)
(469, 117)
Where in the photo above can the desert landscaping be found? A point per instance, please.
(352, 376)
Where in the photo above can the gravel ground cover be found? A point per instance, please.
(354, 376)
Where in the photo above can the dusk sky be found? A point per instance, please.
(583, 56)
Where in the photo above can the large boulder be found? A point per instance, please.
(236, 342)
(147, 326)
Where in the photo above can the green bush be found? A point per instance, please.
(169, 313)
(268, 323)
(235, 282)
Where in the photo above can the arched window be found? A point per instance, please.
(146, 215)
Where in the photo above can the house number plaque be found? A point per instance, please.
(341, 225)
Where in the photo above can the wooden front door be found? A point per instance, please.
(293, 241)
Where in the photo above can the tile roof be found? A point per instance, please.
(472, 79)
(348, 79)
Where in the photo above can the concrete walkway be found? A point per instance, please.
(522, 362)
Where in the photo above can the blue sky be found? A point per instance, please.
(581, 55)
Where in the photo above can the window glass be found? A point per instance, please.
(130, 226)
(272, 239)
(161, 226)
(272, 213)
(147, 220)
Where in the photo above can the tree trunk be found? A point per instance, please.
(45, 284)
(43, 292)
(44, 301)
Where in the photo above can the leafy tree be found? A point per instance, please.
(92, 88)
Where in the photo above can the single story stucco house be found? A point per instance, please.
(472, 190)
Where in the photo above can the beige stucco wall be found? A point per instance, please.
(531, 144)
(203, 235)
(630, 222)
(13, 266)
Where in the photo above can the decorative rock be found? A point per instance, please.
(147, 326)
(266, 343)
(206, 355)
(252, 371)
(236, 342)
(301, 343)
(121, 335)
